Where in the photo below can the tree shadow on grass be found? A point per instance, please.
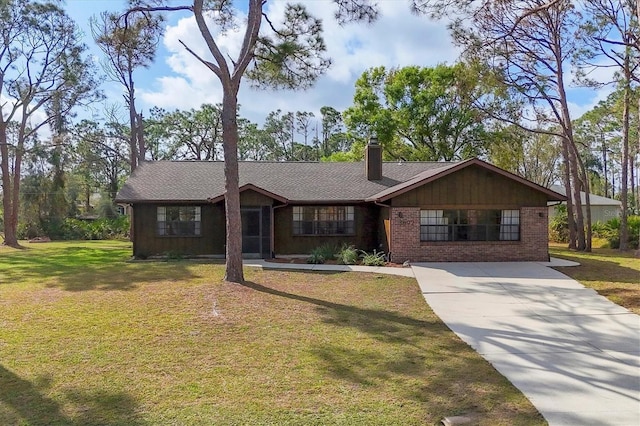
(424, 358)
(25, 403)
(599, 270)
(86, 268)
(374, 321)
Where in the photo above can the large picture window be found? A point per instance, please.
(469, 225)
(178, 221)
(328, 220)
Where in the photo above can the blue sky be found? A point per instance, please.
(177, 81)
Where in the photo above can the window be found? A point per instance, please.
(510, 225)
(330, 220)
(469, 225)
(178, 221)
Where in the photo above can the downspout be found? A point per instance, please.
(273, 231)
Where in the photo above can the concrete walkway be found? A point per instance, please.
(573, 353)
(260, 263)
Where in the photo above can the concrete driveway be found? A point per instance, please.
(573, 353)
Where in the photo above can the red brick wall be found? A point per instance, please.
(406, 244)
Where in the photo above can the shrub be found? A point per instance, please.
(559, 225)
(373, 259)
(76, 229)
(316, 258)
(611, 231)
(347, 255)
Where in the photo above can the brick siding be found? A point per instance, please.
(406, 244)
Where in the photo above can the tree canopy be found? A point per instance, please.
(422, 113)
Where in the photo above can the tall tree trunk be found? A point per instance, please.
(624, 180)
(10, 221)
(577, 184)
(142, 150)
(633, 205)
(133, 118)
(233, 272)
(571, 224)
(564, 120)
(587, 200)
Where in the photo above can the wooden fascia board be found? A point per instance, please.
(250, 186)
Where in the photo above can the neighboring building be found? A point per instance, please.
(418, 211)
(602, 209)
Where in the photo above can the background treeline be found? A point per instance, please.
(80, 178)
(506, 101)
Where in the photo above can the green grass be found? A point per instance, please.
(612, 273)
(87, 338)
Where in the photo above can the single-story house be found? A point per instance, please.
(603, 209)
(418, 211)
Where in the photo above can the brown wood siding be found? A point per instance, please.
(253, 198)
(365, 238)
(148, 243)
(472, 187)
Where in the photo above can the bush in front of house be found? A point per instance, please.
(348, 255)
(323, 253)
(376, 258)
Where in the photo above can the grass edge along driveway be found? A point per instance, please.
(612, 273)
(87, 338)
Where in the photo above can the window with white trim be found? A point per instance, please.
(470, 225)
(323, 220)
(178, 221)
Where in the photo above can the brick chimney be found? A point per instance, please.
(373, 159)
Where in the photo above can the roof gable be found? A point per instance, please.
(435, 174)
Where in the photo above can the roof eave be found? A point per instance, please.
(252, 187)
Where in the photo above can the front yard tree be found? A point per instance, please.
(421, 113)
(41, 70)
(284, 55)
(610, 35)
(128, 46)
(531, 43)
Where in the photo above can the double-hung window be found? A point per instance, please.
(323, 220)
(178, 221)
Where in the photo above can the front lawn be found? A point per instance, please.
(610, 272)
(87, 338)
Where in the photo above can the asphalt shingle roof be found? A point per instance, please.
(198, 181)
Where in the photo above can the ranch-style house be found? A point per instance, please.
(418, 211)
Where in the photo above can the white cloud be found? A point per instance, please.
(398, 38)
(180, 93)
(589, 98)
